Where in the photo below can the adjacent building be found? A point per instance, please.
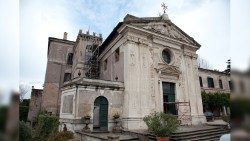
(35, 103)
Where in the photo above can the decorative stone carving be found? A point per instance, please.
(168, 70)
(132, 56)
(168, 30)
(137, 40)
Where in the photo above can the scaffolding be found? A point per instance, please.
(182, 111)
(92, 64)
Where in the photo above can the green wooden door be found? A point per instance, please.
(102, 102)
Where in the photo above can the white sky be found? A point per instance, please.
(220, 26)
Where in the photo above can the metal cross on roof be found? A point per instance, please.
(163, 5)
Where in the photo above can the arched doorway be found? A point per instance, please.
(100, 118)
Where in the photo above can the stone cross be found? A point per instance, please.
(163, 5)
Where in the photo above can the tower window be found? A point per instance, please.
(117, 54)
(70, 59)
(230, 83)
(67, 77)
(105, 63)
(201, 84)
(210, 82)
(221, 84)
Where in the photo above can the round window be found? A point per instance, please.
(166, 55)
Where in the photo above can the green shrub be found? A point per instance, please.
(212, 101)
(46, 127)
(161, 124)
(63, 136)
(24, 132)
(23, 113)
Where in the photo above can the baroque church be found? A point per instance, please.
(145, 65)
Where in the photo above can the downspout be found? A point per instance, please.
(75, 106)
(59, 91)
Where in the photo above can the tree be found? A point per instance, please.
(23, 90)
(202, 63)
(211, 101)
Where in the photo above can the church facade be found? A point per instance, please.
(145, 65)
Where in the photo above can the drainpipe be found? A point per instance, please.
(75, 105)
(59, 91)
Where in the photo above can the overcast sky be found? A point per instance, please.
(209, 22)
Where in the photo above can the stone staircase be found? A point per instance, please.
(189, 133)
(212, 133)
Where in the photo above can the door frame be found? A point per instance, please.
(102, 103)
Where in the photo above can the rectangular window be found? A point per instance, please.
(67, 77)
(210, 82)
(105, 63)
(201, 84)
(117, 54)
(220, 83)
(88, 52)
(231, 85)
(70, 59)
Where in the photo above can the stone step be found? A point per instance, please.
(199, 133)
(209, 135)
(206, 138)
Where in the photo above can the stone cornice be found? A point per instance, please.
(97, 83)
(160, 36)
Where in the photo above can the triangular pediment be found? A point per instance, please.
(169, 30)
(161, 26)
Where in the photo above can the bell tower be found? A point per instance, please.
(85, 47)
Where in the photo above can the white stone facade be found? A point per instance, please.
(133, 84)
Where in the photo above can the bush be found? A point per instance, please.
(23, 113)
(24, 132)
(212, 101)
(46, 127)
(63, 136)
(161, 124)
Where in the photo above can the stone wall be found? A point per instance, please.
(82, 98)
(58, 51)
(216, 75)
(115, 69)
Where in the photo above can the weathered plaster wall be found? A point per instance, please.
(56, 67)
(35, 104)
(83, 104)
(144, 73)
(114, 68)
(216, 77)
